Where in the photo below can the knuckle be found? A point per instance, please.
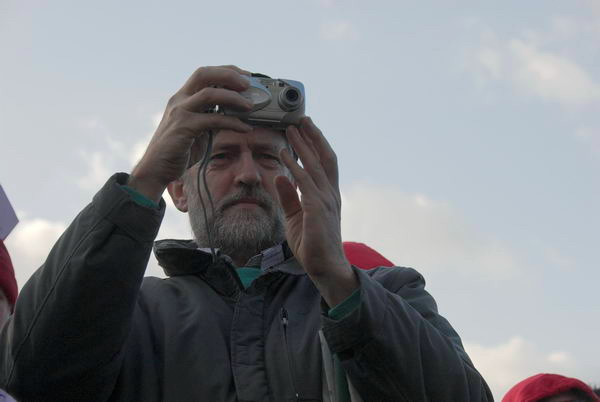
(230, 72)
(330, 158)
(174, 111)
(333, 204)
(178, 112)
(202, 70)
(232, 67)
(330, 207)
(174, 99)
(301, 174)
(207, 95)
(220, 121)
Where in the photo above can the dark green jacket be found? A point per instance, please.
(89, 327)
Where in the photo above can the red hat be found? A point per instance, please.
(541, 386)
(8, 283)
(364, 257)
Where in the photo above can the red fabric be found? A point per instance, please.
(541, 386)
(364, 257)
(8, 283)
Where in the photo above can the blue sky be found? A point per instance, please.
(467, 132)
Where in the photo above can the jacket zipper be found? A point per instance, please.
(289, 355)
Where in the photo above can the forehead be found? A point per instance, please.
(259, 137)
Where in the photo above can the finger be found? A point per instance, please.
(326, 154)
(206, 98)
(215, 76)
(309, 159)
(302, 178)
(312, 146)
(288, 197)
(198, 123)
(237, 69)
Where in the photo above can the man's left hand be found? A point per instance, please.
(313, 222)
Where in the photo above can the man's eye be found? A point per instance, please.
(219, 156)
(270, 157)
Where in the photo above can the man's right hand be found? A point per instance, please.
(186, 118)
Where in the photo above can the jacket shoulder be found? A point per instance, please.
(397, 278)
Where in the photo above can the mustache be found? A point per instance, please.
(257, 194)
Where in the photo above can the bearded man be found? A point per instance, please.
(277, 314)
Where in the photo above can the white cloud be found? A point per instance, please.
(491, 60)
(138, 149)
(414, 230)
(338, 30)
(568, 28)
(98, 170)
(536, 71)
(101, 164)
(551, 76)
(556, 258)
(560, 358)
(29, 245)
(506, 364)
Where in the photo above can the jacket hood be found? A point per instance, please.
(180, 257)
(183, 257)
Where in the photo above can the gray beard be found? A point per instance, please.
(238, 233)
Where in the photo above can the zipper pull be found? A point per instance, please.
(289, 356)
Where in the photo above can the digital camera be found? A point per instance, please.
(277, 102)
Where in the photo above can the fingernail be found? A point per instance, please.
(246, 80)
(245, 126)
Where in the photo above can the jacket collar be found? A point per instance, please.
(183, 257)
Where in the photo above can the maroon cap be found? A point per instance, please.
(364, 257)
(541, 386)
(8, 283)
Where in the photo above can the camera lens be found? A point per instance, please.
(290, 98)
(292, 95)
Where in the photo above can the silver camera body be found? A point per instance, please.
(277, 102)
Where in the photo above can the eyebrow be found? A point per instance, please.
(254, 147)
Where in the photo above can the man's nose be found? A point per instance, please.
(248, 171)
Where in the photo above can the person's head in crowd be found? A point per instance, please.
(8, 285)
(550, 388)
(240, 176)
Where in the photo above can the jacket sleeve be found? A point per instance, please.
(65, 339)
(396, 347)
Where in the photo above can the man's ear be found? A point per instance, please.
(178, 194)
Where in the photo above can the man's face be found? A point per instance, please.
(239, 176)
(4, 308)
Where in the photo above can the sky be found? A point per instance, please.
(467, 134)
